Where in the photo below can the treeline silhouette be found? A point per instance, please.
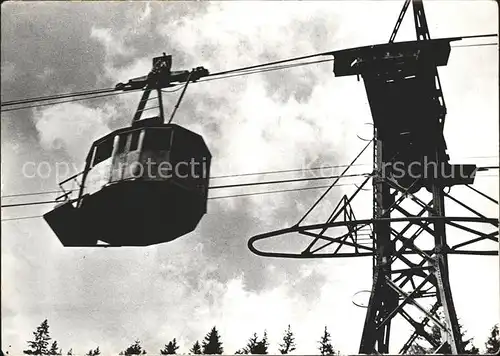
(42, 344)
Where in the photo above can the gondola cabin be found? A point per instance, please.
(142, 185)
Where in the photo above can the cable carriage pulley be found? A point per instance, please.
(143, 184)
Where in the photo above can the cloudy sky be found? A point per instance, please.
(279, 120)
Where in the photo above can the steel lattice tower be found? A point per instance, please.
(411, 180)
(418, 81)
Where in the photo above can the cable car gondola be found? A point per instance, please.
(142, 185)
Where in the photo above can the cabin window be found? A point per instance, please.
(103, 151)
(157, 140)
(134, 143)
(122, 143)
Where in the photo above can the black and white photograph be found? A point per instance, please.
(250, 177)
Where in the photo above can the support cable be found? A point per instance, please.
(110, 90)
(218, 75)
(256, 174)
(180, 97)
(226, 186)
(58, 96)
(212, 198)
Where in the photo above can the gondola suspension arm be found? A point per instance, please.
(161, 76)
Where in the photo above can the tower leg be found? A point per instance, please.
(383, 299)
(441, 272)
(394, 288)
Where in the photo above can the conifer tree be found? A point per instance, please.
(212, 345)
(325, 344)
(40, 343)
(196, 349)
(252, 344)
(288, 344)
(262, 345)
(255, 346)
(54, 349)
(94, 352)
(170, 348)
(467, 345)
(134, 349)
(493, 342)
(250, 347)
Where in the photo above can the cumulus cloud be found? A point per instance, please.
(113, 45)
(72, 127)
